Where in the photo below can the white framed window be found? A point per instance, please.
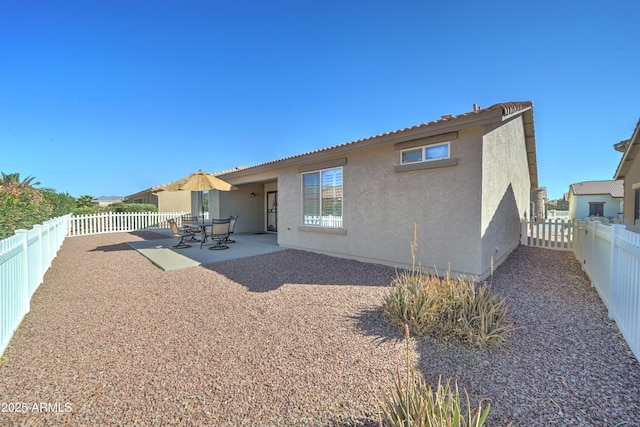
(322, 198)
(425, 153)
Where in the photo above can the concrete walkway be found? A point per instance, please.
(160, 252)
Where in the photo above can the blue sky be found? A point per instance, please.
(113, 97)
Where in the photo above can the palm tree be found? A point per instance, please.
(84, 201)
(15, 177)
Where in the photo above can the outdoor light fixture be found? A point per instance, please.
(253, 194)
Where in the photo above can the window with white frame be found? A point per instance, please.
(425, 153)
(322, 198)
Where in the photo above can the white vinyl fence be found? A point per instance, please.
(26, 256)
(323, 221)
(24, 259)
(555, 234)
(610, 255)
(115, 222)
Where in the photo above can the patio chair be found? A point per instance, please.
(186, 219)
(182, 235)
(232, 225)
(189, 225)
(219, 233)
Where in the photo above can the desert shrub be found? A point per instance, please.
(21, 207)
(448, 308)
(411, 402)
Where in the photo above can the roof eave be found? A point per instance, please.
(480, 118)
(629, 155)
(530, 145)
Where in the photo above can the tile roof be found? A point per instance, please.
(589, 188)
(630, 152)
(506, 109)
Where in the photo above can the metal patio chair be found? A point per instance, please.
(219, 233)
(182, 235)
(232, 224)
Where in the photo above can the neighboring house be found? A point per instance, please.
(106, 201)
(166, 201)
(629, 171)
(596, 199)
(464, 181)
(560, 204)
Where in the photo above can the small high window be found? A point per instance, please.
(596, 209)
(425, 154)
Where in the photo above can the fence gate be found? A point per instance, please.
(555, 234)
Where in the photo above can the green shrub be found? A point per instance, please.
(21, 207)
(412, 402)
(130, 207)
(85, 210)
(61, 203)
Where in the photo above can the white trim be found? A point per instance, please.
(328, 221)
(423, 149)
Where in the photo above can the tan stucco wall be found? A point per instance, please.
(250, 210)
(174, 201)
(506, 189)
(146, 197)
(381, 207)
(631, 179)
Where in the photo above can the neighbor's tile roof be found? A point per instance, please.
(589, 188)
(506, 108)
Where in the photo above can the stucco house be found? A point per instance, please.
(463, 180)
(167, 201)
(596, 199)
(629, 171)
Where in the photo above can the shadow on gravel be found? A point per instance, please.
(373, 323)
(145, 235)
(264, 273)
(149, 235)
(112, 248)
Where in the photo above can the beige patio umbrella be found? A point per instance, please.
(198, 181)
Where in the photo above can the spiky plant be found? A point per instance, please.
(413, 403)
(446, 308)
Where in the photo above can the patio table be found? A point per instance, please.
(202, 226)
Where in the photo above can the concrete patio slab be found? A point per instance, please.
(160, 252)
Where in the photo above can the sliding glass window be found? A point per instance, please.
(322, 198)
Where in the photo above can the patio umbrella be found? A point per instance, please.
(199, 181)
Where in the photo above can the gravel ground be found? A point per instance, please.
(294, 338)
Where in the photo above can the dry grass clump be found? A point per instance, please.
(411, 402)
(447, 308)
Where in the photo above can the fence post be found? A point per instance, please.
(613, 271)
(25, 304)
(591, 262)
(39, 260)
